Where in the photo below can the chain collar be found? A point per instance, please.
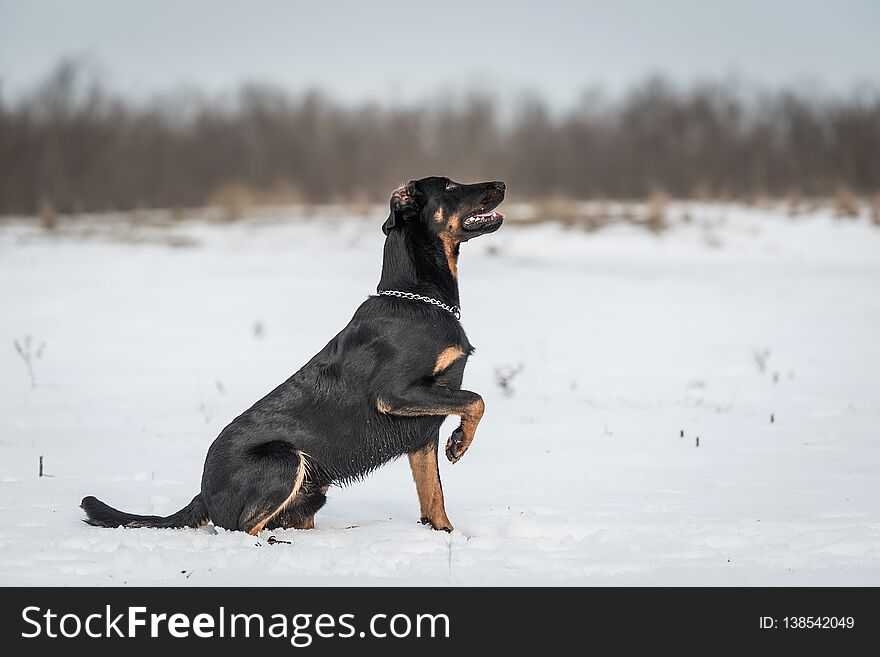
(455, 310)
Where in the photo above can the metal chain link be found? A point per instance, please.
(455, 310)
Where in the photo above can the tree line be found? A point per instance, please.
(72, 145)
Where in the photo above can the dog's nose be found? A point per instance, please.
(500, 185)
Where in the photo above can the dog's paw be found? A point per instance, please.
(455, 447)
(443, 526)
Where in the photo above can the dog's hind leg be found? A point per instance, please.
(426, 474)
(300, 513)
(272, 491)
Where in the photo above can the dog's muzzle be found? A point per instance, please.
(485, 221)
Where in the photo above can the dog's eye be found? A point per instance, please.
(450, 185)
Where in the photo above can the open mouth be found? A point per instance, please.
(483, 221)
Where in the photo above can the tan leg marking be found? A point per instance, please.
(307, 523)
(447, 357)
(426, 475)
(470, 419)
(297, 484)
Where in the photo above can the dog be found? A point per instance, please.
(380, 389)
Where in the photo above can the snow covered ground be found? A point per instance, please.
(155, 337)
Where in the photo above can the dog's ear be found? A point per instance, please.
(404, 206)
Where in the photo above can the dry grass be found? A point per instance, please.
(234, 200)
(48, 216)
(559, 209)
(237, 202)
(595, 215)
(654, 218)
(846, 204)
(703, 194)
(795, 203)
(576, 214)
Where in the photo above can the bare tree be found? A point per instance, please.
(70, 145)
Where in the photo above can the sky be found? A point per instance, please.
(395, 51)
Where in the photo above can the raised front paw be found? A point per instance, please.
(456, 446)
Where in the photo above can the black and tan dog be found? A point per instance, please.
(380, 389)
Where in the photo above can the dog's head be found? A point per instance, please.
(449, 211)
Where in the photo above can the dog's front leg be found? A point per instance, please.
(439, 400)
(426, 474)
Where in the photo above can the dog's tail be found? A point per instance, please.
(99, 514)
